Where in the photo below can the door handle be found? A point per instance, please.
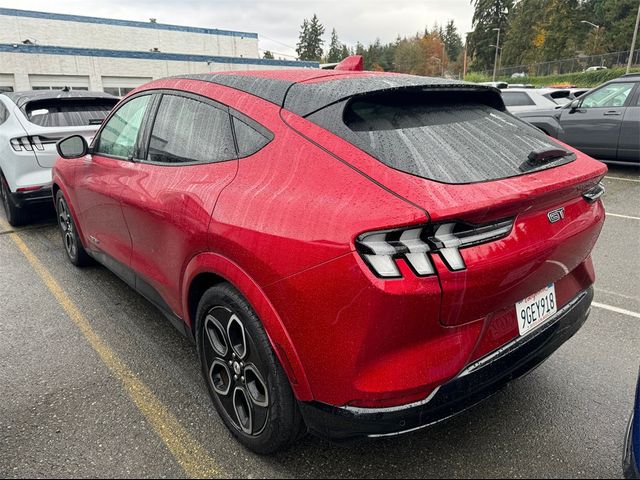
(612, 114)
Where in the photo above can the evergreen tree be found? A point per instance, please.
(452, 41)
(310, 43)
(302, 48)
(488, 15)
(335, 53)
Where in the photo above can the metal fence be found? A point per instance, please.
(570, 65)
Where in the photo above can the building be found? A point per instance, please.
(41, 50)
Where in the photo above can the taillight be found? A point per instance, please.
(594, 194)
(416, 245)
(27, 143)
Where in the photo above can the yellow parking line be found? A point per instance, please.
(190, 455)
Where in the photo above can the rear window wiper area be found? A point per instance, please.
(537, 158)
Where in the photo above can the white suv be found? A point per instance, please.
(31, 123)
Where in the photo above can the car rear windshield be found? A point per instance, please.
(446, 136)
(517, 99)
(68, 112)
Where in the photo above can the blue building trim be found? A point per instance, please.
(122, 23)
(178, 57)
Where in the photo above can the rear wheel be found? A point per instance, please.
(246, 382)
(16, 216)
(72, 244)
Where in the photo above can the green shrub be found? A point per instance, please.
(588, 79)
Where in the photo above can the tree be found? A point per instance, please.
(524, 34)
(335, 48)
(488, 15)
(452, 41)
(268, 55)
(310, 43)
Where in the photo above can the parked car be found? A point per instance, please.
(357, 255)
(596, 68)
(631, 463)
(495, 84)
(560, 96)
(519, 100)
(31, 123)
(519, 75)
(603, 123)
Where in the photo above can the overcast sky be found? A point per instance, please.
(276, 21)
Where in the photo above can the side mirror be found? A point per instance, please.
(74, 146)
(575, 105)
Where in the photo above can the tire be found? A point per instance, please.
(76, 253)
(16, 216)
(247, 384)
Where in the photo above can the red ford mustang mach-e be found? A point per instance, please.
(354, 254)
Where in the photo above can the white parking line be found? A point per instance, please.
(609, 292)
(623, 179)
(628, 217)
(616, 309)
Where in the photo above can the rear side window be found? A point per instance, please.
(249, 139)
(190, 131)
(517, 99)
(444, 136)
(4, 114)
(68, 112)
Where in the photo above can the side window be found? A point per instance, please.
(610, 96)
(249, 139)
(4, 113)
(188, 131)
(517, 99)
(120, 134)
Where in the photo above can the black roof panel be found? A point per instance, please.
(304, 95)
(307, 98)
(269, 89)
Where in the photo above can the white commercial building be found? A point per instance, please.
(41, 50)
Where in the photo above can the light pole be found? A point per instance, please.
(495, 64)
(466, 52)
(597, 27)
(633, 42)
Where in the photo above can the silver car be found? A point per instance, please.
(519, 100)
(31, 123)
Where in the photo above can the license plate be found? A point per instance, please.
(534, 311)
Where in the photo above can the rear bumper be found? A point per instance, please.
(43, 195)
(476, 383)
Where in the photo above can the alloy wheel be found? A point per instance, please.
(68, 231)
(4, 193)
(234, 371)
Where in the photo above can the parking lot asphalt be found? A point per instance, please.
(96, 383)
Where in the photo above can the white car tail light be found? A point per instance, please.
(416, 245)
(29, 144)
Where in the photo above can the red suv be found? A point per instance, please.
(354, 254)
